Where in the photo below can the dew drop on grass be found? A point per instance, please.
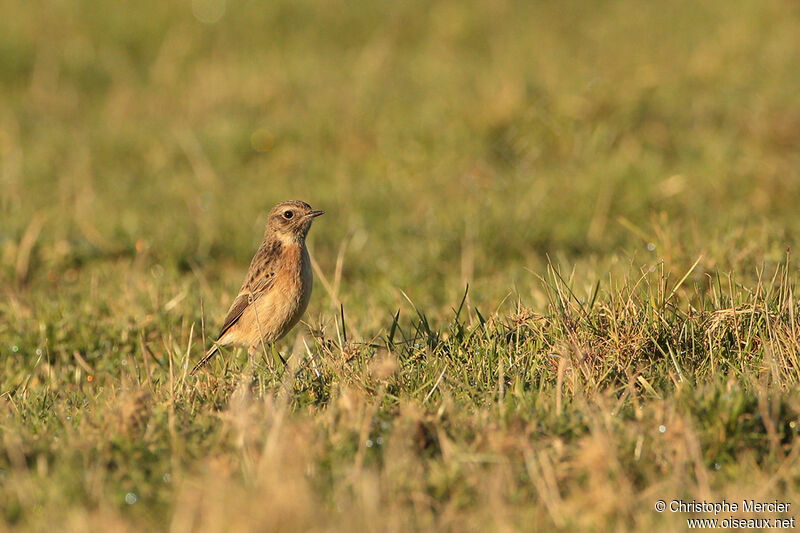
(124, 362)
(166, 477)
(130, 498)
(716, 466)
(15, 348)
(369, 443)
(662, 428)
(38, 351)
(379, 441)
(651, 247)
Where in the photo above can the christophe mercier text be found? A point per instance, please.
(746, 506)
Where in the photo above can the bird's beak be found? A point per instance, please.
(315, 214)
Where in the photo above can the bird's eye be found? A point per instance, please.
(287, 215)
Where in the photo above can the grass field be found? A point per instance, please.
(617, 183)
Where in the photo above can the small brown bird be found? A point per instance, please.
(277, 288)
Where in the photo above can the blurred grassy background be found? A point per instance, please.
(141, 145)
(424, 129)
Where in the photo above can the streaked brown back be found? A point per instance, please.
(260, 277)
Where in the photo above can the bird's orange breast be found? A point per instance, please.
(279, 309)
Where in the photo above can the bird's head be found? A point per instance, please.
(291, 220)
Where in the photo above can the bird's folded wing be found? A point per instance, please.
(248, 294)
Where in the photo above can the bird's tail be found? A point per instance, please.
(207, 357)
